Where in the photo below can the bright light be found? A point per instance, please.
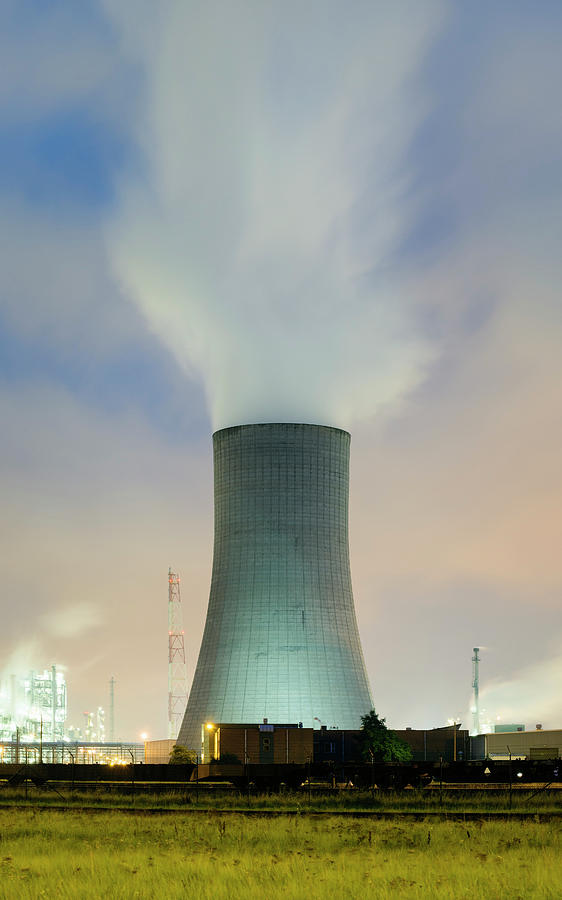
(144, 736)
(209, 726)
(520, 774)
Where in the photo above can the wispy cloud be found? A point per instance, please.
(73, 620)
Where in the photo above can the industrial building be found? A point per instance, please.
(267, 744)
(281, 639)
(158, 752)
(263, 744)
(75, 752)
(450, 744)
(535, 745)
(33, 706)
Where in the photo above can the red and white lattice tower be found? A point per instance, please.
(177, 682)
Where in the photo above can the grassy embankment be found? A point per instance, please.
(67, 855)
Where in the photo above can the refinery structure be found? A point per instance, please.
(281, 642)
(34, 727)
(33, 706)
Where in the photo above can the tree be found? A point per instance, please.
(181, 755)
(381, 744)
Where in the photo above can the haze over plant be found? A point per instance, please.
(216, 212)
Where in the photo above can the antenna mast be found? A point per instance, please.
(112, 708)
(177, 682)
(475, 689)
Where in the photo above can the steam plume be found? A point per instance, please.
(258, 238)
(534, 696)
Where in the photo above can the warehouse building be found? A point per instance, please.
(538, 744)
(263, 744)
(427, 745)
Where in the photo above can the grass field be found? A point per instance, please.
(419, 801)
(75, 855)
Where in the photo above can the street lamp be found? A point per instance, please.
(209, 727)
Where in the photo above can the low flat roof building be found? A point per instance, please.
(158, 752)
(427, 745)
(537, 744)
(262, 744)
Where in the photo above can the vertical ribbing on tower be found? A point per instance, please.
(281, 640)
(177, 682)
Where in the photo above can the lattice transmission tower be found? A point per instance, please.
(177, 681)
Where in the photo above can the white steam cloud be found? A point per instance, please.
(257, 235)
(22, 659)
(533, 697)
(72, 620)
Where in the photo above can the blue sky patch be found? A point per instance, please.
(67, 160)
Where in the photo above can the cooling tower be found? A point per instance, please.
(281, 639)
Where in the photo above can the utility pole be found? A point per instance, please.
(455, 742)
(112, 709)
(53, 703)
(475, 690)
(177, 682)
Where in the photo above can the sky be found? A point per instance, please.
(339, 213)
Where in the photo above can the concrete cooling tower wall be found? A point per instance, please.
(281, 639)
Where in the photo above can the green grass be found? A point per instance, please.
(51, 854)
(453, 801)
